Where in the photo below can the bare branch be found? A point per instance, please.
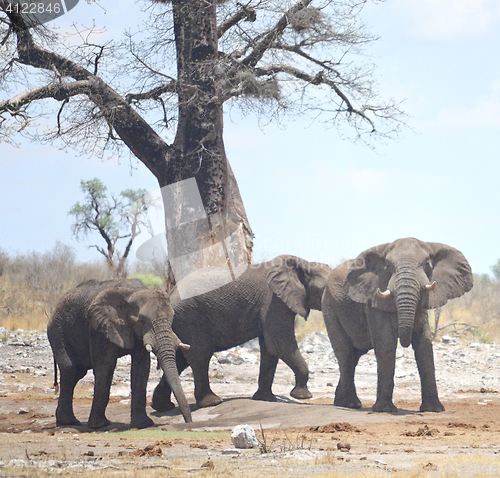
(59, 92)
(246, 13)
(271, 36)
(153, 94)
(319, 79)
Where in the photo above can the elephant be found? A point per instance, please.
(383, 295)
(98, 322)
(262, 302)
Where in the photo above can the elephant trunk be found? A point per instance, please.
(165, 351)
(407, 295)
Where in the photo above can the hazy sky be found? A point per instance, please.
(306, 190)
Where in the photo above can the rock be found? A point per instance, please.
(343, 446)
(447, 339)
(243, 436)
(231, 359)
(231, 451)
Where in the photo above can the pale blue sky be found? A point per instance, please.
(306, 190)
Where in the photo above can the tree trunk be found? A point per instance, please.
(198, 152)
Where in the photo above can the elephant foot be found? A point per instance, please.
(98, 422)
(347, 402)
(62, 422)
(264, 396)
(301, 393)
(433, 405)
(161, 405)
(161, 397)
(142, 421)
(209, 400)
(387, 407)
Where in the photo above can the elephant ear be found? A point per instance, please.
(452, 273)
(367, 274)
(110, 315)
(286, 279)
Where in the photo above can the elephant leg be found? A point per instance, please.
(383, 329)
(268, 364)
(69, 377)
(139, 380)
(345, 393)
(279, 338)
(347, 357)
(299, 366)
(280, 341)
(103, 374)
(424, 356)
(203, 394)
(161, 396)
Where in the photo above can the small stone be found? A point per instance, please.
(231, 451)
(243, 436)
(343, 446)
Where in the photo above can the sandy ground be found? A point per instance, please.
(298, 434)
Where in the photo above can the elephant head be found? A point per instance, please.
(298, 283)
(407, 274)
(129, 318)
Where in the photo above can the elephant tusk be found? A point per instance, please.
(184, 346)
(431, 287)
(149, 348)
(383, 295)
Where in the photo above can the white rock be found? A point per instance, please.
(231, 451)
(243, 436)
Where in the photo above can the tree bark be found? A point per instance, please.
(198, 150)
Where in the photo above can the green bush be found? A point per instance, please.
(150, 280)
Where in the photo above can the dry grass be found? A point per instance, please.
(313, 323)
(474, 316)
(31, 285)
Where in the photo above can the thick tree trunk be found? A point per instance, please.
(224, 236)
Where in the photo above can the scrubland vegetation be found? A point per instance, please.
(31, 284)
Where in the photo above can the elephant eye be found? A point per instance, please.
(389, 267)
(428, 268)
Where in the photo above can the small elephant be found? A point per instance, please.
(98, 322)
(385, 294)
(262, 302)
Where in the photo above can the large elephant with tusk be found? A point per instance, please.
(383, 295)
(98, 322)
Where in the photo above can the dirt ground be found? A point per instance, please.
(302, 438)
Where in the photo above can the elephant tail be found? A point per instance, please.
(56, 385)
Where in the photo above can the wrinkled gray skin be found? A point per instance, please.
(382, 295)
(98, 322)
(262, 303)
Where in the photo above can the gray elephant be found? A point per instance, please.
(262, 302)
(385, 294)
(98, 322)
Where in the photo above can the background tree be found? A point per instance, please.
(161, 92)
(112, 218)
(496, 271)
